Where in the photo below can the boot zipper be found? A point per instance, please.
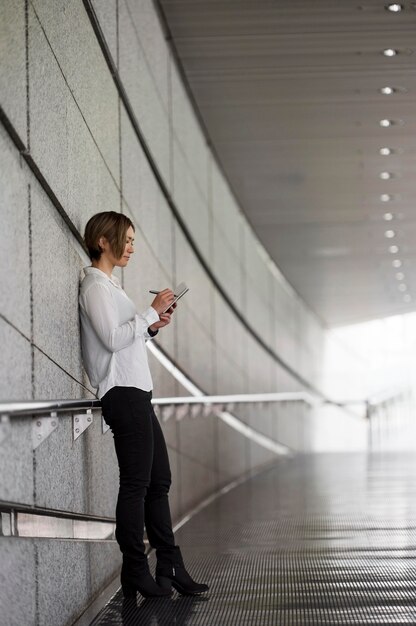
(173, 570)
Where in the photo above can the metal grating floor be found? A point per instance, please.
(319, 539)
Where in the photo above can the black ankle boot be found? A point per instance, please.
(175, 575)
(144, 584)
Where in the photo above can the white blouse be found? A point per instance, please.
(113, 334)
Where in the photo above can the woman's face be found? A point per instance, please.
(128, 250)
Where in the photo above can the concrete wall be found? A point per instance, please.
(61, 107)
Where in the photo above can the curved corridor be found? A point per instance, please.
(318, 539)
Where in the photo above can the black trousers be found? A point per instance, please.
(145, 478)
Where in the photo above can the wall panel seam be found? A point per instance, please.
(39, 176)
(74, 99)
(21, 333)
(168, 111)
(63, 370)
(27, 74)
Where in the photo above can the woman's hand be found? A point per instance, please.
(162, 301)
(164, 321)
(165, 318)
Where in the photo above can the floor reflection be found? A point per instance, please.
(319, 540)
(160, 611)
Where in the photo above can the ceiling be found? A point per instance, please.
(289, 91)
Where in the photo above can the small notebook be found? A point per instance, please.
(179, 291)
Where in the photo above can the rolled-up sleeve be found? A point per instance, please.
(102, 311)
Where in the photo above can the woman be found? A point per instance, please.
(113, 337)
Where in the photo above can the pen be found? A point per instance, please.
(156, 292)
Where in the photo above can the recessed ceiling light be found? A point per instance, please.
(396, 263)
(407, 297)
(389, 52)
(385, 123)
(389, 234)
(394, 249)
(385, 151)
(385, 175)
(394, 8)
(388, 216)
(387, 91)
(402, 287)
(385, 197)
(399, 275)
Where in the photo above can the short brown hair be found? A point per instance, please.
(111, 225)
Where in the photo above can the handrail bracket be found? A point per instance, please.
(42, 427)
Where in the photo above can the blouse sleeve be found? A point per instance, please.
(102, 312)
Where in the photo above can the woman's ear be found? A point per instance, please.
(101, 243)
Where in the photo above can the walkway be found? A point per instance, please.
(325, 539)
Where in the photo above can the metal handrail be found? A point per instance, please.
(32, 407)
(386, 396)
(242, 398)
(220, 405)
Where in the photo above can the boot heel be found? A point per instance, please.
(180, 580)
(145, 585)
(164, 582)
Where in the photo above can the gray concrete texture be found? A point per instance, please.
(193, 205)
(13, 64)
(15, 303)
(82, 172)
(107, 16)
(227, 267)
(136, 72)
(64, 107)
(225, 209)
(68, 37)
(152, 43)
(188, 135)
(18, 592)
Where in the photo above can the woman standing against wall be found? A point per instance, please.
(113, 337)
